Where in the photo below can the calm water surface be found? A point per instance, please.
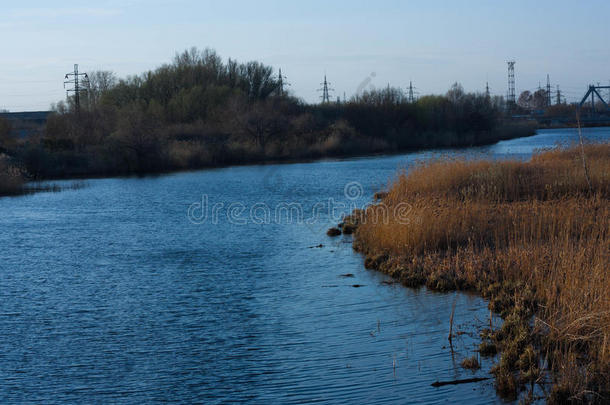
(109, 293)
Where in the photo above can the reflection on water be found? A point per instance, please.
(110, 294)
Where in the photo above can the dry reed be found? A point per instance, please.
(533, 237)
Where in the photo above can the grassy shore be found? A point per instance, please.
(532, 237)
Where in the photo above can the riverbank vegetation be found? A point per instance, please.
(200, 111)
(11, 179)
(532, 237)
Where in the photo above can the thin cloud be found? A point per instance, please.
(63, 12)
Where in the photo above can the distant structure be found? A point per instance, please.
(27, 124)
(281, 83)
(411, 98)
(558, 96)
(73, 80)
(593, 91)
(325, 91)
(548, 91)
(510, 97)
(487, 94)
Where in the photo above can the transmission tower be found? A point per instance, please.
(558, 96)
(510, 97)
(73, 80)
(548, 91)
(325, 91)
(487, 94)
(411, 97)
(281, 83)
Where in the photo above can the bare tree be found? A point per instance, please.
(539, 99)
(260, 80)
(455, 93)
(525, 100)
(262, 122)
(100, 81)
(137, 139)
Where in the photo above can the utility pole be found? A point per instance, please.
(510, 98)
(548, 91)
(411, 98)
(325, 91)
(73, 79)
(281, 84)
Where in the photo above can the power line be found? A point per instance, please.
(548, 90)
(33, 81)
(325, 91)
(510, 98)
(48, 93)
(281, 83)
(411, 98)
(76, 89)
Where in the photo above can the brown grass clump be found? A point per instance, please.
(532, 237)
(487, 349)
(471, 363)
(11, 180)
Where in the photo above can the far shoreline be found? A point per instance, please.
(277, 161)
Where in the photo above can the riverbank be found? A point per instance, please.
(532, 237)
(65, 165)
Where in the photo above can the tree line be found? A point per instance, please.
(200, 111)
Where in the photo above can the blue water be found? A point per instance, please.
(124, 291)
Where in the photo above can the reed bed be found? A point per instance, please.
(11, 179)
(532, 237)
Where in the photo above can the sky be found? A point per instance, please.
(357, 44)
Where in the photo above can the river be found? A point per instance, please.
(211, 286)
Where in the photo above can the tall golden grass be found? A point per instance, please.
(537, 225)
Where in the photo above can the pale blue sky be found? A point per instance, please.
(433, 43)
